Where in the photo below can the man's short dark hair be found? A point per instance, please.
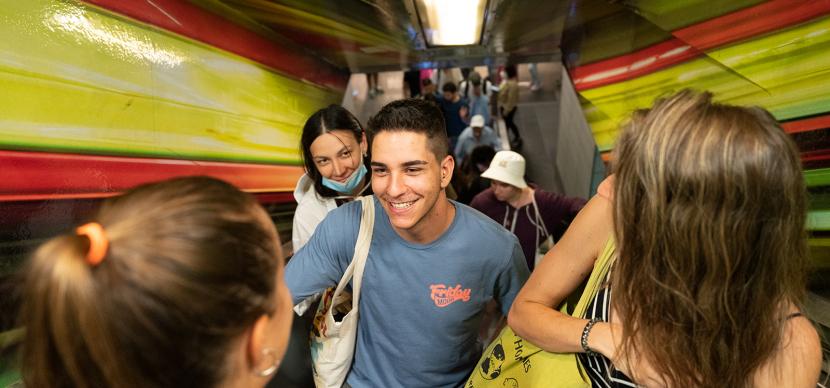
(449, 87)
(426, 82)
(511, 71)
(413, 115)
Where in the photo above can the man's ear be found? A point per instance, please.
(447, 167)
(256, 340)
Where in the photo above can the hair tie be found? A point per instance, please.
(97, 242)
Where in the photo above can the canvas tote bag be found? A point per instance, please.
(333, 340)
(512, 362)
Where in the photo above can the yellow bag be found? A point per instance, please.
(512, 362)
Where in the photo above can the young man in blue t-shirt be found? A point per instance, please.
(433, 264)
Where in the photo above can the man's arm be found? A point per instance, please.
(303, 226)
(511, 278)
(321, 262)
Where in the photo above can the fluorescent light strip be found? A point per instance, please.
(451, 22)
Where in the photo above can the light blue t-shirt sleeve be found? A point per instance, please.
(511, 278)
(322, 261)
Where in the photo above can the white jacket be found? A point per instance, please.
(311, 209)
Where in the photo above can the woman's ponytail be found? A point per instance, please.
(66, 329)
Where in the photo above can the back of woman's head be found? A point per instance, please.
(710, 221)
(331, 118)
(191, 263)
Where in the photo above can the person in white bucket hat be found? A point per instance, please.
(532, 214)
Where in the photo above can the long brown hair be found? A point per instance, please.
(710, 219)
(191, 264)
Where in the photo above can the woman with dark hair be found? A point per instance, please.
(334, 151)
(173, 284)
(707, 215)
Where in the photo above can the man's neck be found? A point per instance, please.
(523, 198)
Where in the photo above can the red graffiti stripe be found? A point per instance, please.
(633, 65)
(189, 20)
(752, 21)
(815, 156)
(37, 176)
(811, 124)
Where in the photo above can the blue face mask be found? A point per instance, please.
(350, 185)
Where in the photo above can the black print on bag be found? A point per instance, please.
(518, 355)
(491, 366)
(510, 383)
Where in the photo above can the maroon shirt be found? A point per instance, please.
(556, 210)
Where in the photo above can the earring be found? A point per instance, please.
(274, 365)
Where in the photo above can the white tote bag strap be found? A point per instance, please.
(361, 247)
(361, 251)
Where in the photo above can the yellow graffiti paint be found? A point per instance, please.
(78, 79)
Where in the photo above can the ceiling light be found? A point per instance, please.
(451, 22)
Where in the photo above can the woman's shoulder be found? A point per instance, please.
(797, 361)
(309, 201)
(606, 188)
(303, 188)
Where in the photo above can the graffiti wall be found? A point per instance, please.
(99, 96)
(80, 80)
(775, 54)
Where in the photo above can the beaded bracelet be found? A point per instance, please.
(584, 340)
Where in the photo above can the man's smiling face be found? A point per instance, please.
(409, 181)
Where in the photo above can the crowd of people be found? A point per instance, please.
(181, 283)
(464, 94)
